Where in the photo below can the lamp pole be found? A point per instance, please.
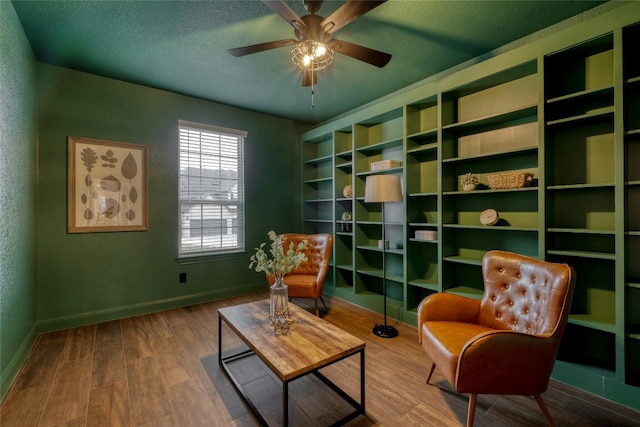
(385, 330)
(380, 189)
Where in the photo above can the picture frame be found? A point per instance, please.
(106, 186)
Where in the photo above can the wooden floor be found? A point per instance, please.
(162, 369)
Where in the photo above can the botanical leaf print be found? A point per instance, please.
(133, 195)
(129, 167)
(110, 183)
(109, 186)
(89, 158)
(109, 159)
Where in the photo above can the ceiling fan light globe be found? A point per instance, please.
(311, 55)
(306, 61)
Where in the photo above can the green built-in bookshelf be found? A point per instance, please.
(565, 108)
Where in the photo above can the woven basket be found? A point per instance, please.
(510, 180)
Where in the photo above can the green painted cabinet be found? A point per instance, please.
(631, 193)
(580, 147)
(421, 201)
(489, 129)
(551, 131)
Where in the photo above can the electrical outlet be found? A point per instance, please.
(183, 277)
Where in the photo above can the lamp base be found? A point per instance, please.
(385, 331)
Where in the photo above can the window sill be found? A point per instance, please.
(202, 258)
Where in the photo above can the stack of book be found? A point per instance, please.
(425, 235)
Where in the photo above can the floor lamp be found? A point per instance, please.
(381, 189)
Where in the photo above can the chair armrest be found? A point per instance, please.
(447, 307)
(506, 362)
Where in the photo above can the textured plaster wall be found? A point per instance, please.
(17, 196)
(91, 277)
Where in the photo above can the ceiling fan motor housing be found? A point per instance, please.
(313, 30)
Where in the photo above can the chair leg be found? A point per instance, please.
(433, 367)
(472, 409)
(543, 407)
(325, 306)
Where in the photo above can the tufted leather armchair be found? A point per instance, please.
(307, 281)
(507, 342)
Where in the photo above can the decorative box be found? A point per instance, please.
(385, 164)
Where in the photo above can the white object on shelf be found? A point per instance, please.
(385, 164)
(425, 235)
(489, 217)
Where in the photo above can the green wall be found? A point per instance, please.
(17, 196)
(92, 277)
(53, 280)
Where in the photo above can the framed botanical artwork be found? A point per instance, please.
(106, 186)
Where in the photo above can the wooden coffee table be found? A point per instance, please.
(311, 344)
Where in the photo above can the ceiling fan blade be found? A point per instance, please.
(281, 8)
(365, 54)
(348, 12)
(246, 50)
(309, 78)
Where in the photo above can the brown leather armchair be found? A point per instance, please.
(307, 281)
(507, 342)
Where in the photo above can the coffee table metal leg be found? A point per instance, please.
(219, 340)
(223, 360)
(285, 403)
(362, 364)
(359, 407)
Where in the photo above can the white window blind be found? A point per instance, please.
(211, 189)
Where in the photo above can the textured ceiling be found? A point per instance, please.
(181, 46)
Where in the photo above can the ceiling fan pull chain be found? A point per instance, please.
(313, 91)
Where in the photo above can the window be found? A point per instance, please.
(211, 189)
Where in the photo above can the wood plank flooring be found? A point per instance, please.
(161, 369)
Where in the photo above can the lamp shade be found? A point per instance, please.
(383, 188)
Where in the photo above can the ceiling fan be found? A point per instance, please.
(314, 47)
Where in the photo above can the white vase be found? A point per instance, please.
(468, 187)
